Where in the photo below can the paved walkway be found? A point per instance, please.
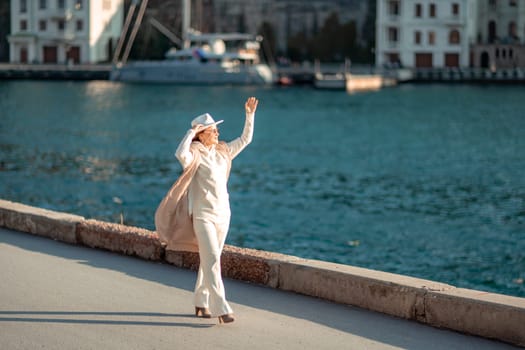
(59, 296)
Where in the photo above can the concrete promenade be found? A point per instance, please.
(55, 295)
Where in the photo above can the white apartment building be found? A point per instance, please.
(425, 33)
(64, 31)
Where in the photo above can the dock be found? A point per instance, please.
(288, 75)
(54, 71)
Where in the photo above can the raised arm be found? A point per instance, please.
(237, 145)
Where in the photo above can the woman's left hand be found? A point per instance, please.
(251, 105)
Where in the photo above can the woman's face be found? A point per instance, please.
(209, 136)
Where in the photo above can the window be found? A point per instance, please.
(61, 4)
(61, 24)
(432, 10)
(512, 3)
(393, 7)
(392, 34)
(492, 32)
(42, 25)
(23, 25)
(497, 53)
(417, 37)
(431, 38)
(512, 30)
(42, 4)
(80, 25)
(78, 4)
(493, 3)
(454, 37)
(418, 10)
(510, 53)
(455, 9)
(23, 6)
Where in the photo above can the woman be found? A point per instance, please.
(195, 214)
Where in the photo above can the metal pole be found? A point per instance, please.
(134, 31)
(124, 32)
(165, 31)
(186, 21)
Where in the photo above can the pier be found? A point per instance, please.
(117, 298)
(287, 75)
(54, 71)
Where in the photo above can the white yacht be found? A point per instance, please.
(210, 59)
(216, 58)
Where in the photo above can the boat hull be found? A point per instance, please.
(192, 73)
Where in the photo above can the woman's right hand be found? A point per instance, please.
(198, 128)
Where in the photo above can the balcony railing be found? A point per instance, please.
(392, 44)
(60, 14)
(392, 17)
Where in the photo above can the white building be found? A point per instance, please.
(500, 39)
(425, 33)
(60, 31)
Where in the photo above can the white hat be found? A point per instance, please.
(206, 120)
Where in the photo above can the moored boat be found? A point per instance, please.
(214, 58)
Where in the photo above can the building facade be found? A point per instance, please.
(500, 38)
(64, 31)
(425, 33)
(451, 33)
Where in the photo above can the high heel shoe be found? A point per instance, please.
(226, 318)
(202, 312)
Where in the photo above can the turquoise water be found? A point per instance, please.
(422, 180)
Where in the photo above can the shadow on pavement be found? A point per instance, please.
(375, 326)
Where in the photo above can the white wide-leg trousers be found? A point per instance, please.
(209, 289)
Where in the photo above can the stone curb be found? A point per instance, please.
(42, 222)
(120, 239)
(488, 315)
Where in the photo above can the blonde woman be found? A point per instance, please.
(195, 214)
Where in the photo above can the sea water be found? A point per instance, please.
(422, 180)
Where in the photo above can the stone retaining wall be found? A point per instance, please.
(473, 312)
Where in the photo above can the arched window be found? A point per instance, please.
(454, 37)
(485, 60)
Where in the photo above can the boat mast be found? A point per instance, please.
(124, 32)
(186, 19)
(133, 33)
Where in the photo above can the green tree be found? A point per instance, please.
(333, 43)
(298, 47)
(326, 41)
(347, 40)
